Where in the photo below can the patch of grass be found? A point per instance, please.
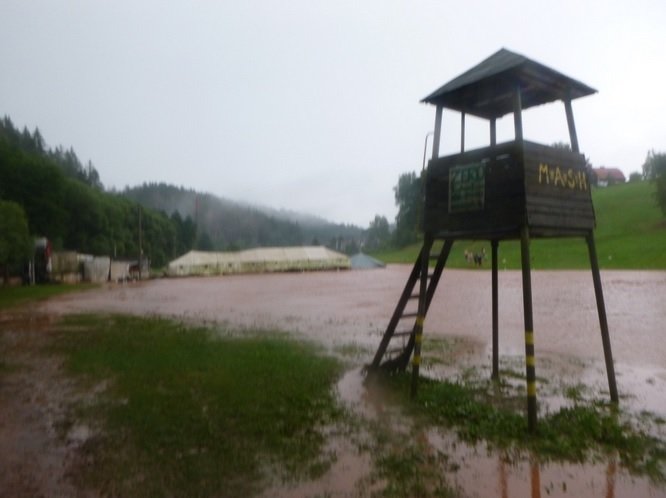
(15, 296)
(630, 234)
(482, 413)
(352, 350)
(411, 470)
(190, 413)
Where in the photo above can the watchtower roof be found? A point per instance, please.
(487, 90)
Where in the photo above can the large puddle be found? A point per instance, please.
(481, 472)
(348, 311)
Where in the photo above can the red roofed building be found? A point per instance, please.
(603, 177)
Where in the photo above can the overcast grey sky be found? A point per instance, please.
(313, 105)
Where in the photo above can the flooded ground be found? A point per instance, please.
(348, 311)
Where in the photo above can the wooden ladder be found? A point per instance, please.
(396, 356)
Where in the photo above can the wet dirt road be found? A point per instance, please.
(340, 309)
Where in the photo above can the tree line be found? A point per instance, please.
(225, 225)
(50, 193)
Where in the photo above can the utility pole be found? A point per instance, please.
(140, 244)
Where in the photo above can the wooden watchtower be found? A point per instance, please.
(517, 190)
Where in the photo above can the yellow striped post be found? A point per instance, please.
(416, 359)
(420, 318)
(530, 370)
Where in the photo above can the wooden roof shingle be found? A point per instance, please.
(487, 89)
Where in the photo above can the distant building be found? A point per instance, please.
(603, 177)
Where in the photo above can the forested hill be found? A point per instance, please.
(225, 224)
(51, 193)
(57, 197)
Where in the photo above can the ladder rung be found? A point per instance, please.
(434, 257)
(415, 296)
(403, 333)
(392, 351)
(409, 315)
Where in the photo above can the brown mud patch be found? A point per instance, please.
(38, 446)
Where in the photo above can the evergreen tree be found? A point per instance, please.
(15, 241)
(409, 199)
(654, 169)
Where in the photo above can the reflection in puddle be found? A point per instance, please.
(478, 471)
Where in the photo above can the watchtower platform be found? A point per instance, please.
(516, 190)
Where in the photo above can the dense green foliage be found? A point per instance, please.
(409, 199)
(190, 413)
(64, 202)
(630, 234)
(15, 243)
(654, 170)
(378, 234)
(223, 224)
(228, 225)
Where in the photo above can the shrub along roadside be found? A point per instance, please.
(186, 412)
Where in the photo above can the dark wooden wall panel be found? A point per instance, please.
(544, 186)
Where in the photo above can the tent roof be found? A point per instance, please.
(261, 254)
(487, 89)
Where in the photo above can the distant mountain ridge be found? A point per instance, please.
(226, 225)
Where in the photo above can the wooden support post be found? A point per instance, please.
(495, 375)
(420, 318)
(437, 132)
(493, 132)
(462, 132)
(518, 115)
(530, 364)
(572, 126)
(603, 322)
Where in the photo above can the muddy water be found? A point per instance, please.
(339, 309)
(33, 456)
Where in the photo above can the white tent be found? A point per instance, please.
(260, 260)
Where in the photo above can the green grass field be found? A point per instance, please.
(16, 296)
(188, 412)
(630, 234)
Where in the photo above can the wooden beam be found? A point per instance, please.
(495, 374)
(518, 115)
(438, 132)
(420, 318)
(493, 132)
(603, 321)
(462, 132)
(572, 126)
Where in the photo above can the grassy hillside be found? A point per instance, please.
(630, 234)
